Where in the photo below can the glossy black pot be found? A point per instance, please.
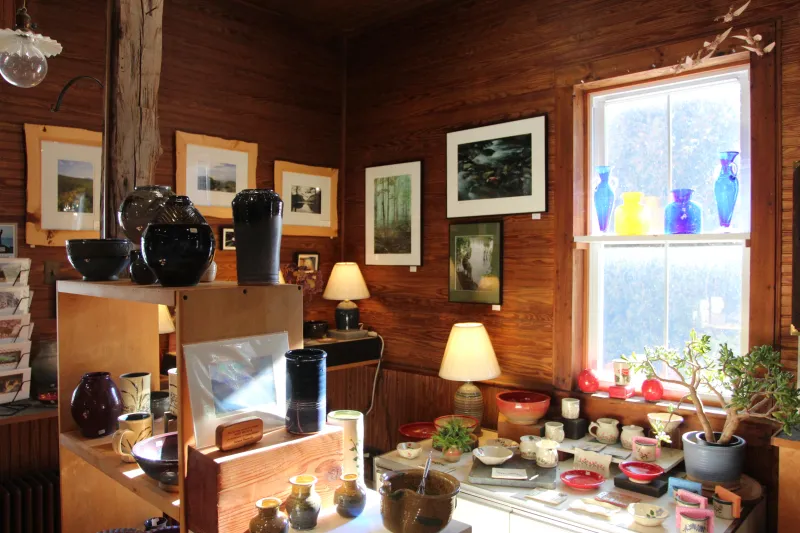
(178, 210)
(98, 259)
(178, 254)
(305, 390)
(139, 271)
(258, 225)
(140, 208)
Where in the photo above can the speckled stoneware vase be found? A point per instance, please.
(350, 498)
(304, 503)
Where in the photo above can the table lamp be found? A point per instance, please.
(165, 323)
(346, 284)
(469, 357)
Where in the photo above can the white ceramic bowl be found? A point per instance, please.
(493, 455)
(409, 450)
(647, 514)
(676, 421)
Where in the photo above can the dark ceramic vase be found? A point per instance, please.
(350, 498)
(258, 222)
(96, 404)
(269, 518)
(305, 391)
(303, 503)
(178, 210)
(139, 271)
(139, 208)
(178, 254)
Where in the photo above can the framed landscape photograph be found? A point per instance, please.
(393, 229)
(498, 170)
(228, 239)
(64, 184)
(210, 171)
(8, 240)
(309, 199)
(476, 263)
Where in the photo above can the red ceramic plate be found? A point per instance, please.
(640, 472)
(418, 430)
(582, 479)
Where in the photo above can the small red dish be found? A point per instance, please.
(640, 472)
(582, 479)
(418, 430)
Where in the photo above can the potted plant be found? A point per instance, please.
(757, 385)
(453, 439)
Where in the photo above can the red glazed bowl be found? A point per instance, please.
(582, 479)
(523, 407)
(469, 422)
(640, 472)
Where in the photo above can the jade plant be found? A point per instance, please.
(453, 434)
(756, 383)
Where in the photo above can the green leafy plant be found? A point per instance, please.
(452, 435)
(758, 385)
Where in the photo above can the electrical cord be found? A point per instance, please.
(375, 380)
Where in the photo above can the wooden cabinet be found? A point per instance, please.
(483, 515)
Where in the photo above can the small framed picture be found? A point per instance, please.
(476, 263)
(309, 196)
(228, 239)
(8, 240)
(307, 261)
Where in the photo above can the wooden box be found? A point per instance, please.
(507, 430)
(222, 487)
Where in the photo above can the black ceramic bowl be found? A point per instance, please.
(178, 254)
(315, 329)
(158, 458)
(98, 259)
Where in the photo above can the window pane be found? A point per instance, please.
(633, 300)
(705, 293)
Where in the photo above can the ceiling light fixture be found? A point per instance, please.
(23, 54)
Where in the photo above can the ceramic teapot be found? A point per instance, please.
(605, 430)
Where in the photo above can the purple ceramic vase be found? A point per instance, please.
(96, 404)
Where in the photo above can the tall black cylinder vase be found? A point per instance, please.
(305, 391)
(258, 224)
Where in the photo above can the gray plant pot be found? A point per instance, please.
(713, 462)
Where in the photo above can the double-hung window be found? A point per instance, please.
(652, 287)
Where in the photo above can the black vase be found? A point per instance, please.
(139, 208)
(178, 210)
(178, 254)
(139, 271)
(96, 404)
(305, 390)
(257, 222)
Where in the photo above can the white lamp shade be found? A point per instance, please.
(165, 324)
(469, 355)
(346, 283)
(281, 279)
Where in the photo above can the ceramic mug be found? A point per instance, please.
(570, 408)
(554, 431)
(134, 388)
(605, 430)
(622, 372)
(133, 427)
(691, 524)
(547, 453)
(722, 508)
(527, 446)
(174, 406)
(628, 432)
(644, 449)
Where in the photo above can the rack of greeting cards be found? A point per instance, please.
(15, 332)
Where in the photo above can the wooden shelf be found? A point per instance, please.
(98, 453)
(126, 290)
(36, 411)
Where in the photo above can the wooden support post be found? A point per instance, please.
(132, 143)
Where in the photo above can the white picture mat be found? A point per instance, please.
(14, 272)
(21, 328)
(51, 217)
(200, 357)
(536, 203)
(24, 392)
(205, 156)
(414, 169)
(24, 348)
(293, 218)
(22, 296)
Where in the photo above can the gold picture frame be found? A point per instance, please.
(35, 135)
(314, 213)
(193, 151)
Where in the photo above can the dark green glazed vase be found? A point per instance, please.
(350, 497)
(304, 503)
(269, 518)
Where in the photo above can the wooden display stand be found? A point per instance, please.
(507, 430)
(113, 327)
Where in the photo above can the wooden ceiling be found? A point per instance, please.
(347, 16)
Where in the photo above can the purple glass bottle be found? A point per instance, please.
(604, 197)
(726, 188)
(683, 215)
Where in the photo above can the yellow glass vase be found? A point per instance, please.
(632, 217)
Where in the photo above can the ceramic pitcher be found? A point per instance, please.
(628, 432)
(605, 430)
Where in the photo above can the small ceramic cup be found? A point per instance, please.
(409, 450)
(527, 446)
(622, 372)
(692, 524)
(644, 449)
(174, 407)
(722, 508)
(159, 403)
(554, 431)
(570, 408)
(134, 388)
(547, 453)
(133, 427)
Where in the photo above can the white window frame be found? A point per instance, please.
(597, 243)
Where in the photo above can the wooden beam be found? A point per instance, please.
(132, 143)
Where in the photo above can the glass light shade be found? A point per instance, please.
(23, 64)
(165, 324)
(346, 283)
(469, 355)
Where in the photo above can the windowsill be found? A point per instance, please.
(649, 239)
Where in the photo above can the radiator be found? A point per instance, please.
(30, 504)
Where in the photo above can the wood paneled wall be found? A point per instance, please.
(28, 447)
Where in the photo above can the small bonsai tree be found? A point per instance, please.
(452, 435)
(758, 385)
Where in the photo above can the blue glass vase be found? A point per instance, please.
(604, 198)
(726, 188)
(683, 215)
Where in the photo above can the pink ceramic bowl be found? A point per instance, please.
(523, 407)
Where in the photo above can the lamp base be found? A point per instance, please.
(469, 401)
(347, 316)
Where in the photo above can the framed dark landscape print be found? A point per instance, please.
(497, 170)
(393, 229)
(476, 263)
(228, 239)
(309, 199)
